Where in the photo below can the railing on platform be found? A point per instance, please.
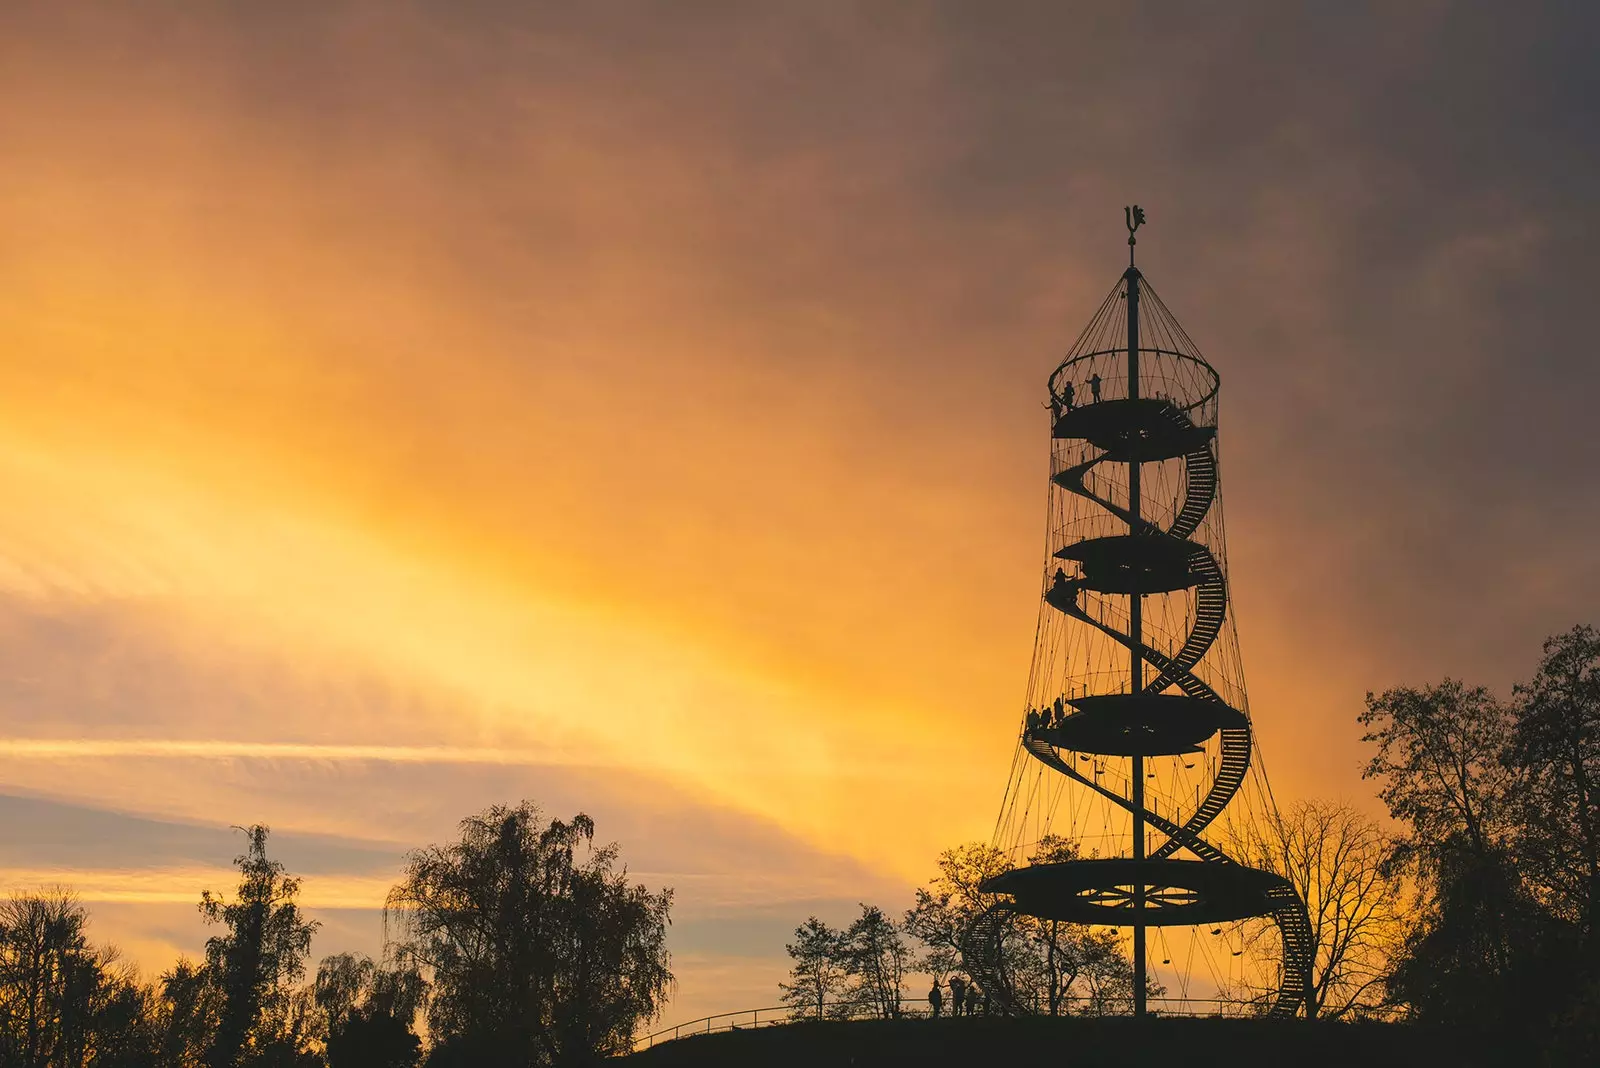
(918, 1008)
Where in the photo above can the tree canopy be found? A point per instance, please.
(1341, 863)
(1502, 832)
(536, 947)
(820, 975)
(257, 961)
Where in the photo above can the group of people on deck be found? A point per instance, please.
(965, 998)
(1048, 716)
(1069, 392)
(1067, 399)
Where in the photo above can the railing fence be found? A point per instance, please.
(918, 1008)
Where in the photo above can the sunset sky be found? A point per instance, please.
(637, 408)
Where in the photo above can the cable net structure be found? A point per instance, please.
(1135, 735)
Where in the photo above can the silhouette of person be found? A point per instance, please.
(958, 994)
(1060, 712)
(1069, 396)
(974, 997)
(1094, 387)
(936, 998)
(1062, 593)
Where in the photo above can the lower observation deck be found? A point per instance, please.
(1140, 724)
(1104, 891)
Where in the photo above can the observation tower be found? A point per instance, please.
(1136, 734)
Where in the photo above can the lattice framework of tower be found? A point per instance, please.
(1136, 732)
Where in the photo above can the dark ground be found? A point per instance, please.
(1103, 1043)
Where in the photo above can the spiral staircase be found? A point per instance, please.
(1166, 706)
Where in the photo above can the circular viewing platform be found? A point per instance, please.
(1145, 430)
(1140, 724)
(1105, 891)
(1140, 563)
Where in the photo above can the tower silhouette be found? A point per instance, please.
(1137, 732)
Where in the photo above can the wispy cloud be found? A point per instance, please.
(179, 749)
(155, 886)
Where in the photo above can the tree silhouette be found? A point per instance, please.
(820, 975)
(537, 950)
(1341, 863)
(373, 1040)
(62, 1001)
(187, 1010)
(1485, 953)
(1440, 769)
(945, 908)
(877, 959)
(257, 960)
(123, 1032)
(1048, 963)
(46, 970)
(1556, 741)
(369, 1011)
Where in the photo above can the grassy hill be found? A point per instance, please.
(1103, 1043)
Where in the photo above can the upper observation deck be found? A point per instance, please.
(1142, 430)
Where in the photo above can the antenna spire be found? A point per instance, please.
(1135, 219)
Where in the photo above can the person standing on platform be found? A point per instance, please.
(1094, 388)
(936, 998)
(958, 994)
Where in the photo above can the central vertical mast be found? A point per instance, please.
(1135, 633)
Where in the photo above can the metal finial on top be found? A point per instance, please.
(1135, 219)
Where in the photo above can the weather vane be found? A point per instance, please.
(1135, 219)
